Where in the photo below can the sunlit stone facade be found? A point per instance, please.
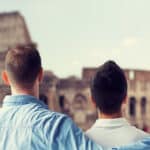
(72, 95)
(13, 31)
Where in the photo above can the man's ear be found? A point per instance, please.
(40, 77)
(125, 100)
(93, 102)
(124, 106)
(5, 78)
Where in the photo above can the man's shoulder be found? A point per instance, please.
(43, 113)
(140, 145)
(138, 132)
(39, 115)
(129, 134)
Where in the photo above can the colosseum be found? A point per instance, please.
(13, 31)
(72, 95)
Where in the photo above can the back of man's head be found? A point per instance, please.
(23, 65)
(109, 88)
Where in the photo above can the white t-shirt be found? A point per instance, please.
(114, 132)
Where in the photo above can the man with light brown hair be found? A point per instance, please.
(25, 122)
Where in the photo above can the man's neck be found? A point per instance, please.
(20, 91)
(109, 116)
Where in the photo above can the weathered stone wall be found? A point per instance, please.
(13, 30)
(75, 95)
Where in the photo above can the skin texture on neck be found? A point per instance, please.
(18, 89)
(33, 91)
(119, 114)
(109, 116)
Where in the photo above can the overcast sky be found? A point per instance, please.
(72, 34)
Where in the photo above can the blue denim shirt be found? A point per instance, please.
(141, 145)
(27, 124)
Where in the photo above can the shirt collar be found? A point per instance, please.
(117, 122)
(14, 100)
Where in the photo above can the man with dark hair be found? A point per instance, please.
(109, 93)
(25, 122)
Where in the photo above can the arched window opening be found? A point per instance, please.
(143, 105)
(80, 101)
(132, 106)
(62, 101)
(64, 105)
(44, 99)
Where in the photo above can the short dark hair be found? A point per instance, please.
(23, 63)
(109, 87)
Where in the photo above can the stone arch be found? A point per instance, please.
(63, 104)
(80, 101)
(44, 98)
(143, 105)
(61, 101)
(132, 106)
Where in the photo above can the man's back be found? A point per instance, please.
(115, 132)
(26, 123)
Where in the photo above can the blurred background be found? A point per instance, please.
(74, 38)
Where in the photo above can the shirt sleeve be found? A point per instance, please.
(141, 145)
(63, 134)
(77, 140)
